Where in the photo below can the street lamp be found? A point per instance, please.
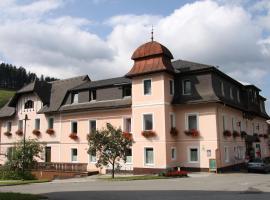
(25, 120)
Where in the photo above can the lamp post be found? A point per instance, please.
(23, 164)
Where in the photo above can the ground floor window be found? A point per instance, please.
(173, 153)
(226, 154)
(48, 153)
(74, 155)
(74, 127)
(193, 154)
(129, 156)
(93, 158)
(149, 156)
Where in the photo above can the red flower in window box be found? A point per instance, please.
(73, 136)
(149, 133)
(236, 134)
(50, 131)
(8, 134)
(192, 133)
(174, 131)
(260, 135)
(36, 132)
(227, 133)
(127, 135)
(265, 136)
(19, 132)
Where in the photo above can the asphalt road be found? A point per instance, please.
(200, 186)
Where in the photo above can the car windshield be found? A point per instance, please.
(256, 160)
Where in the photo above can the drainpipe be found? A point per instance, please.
(218, 136)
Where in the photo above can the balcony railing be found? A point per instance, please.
(67, 167)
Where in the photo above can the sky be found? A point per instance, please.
(65, 38)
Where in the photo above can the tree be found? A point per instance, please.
(15, 157)
(110, 145)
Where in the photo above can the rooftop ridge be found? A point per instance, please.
(68, 79)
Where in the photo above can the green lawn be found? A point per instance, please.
(133, 178)
(19, 196)
(5, 95)
(19, 182)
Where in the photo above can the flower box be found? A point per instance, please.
(8, 134)
(127, 135)
(236, 134)
(173, 131)
(19, 132)
(50, 131)
(227, 133)
(73, 136)
(148, 134)
(36, 132)
(243, 134)
(260, 135)
(265, 136)
(192, 133)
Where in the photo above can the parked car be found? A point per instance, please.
(258, 164)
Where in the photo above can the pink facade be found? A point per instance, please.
(154, 111)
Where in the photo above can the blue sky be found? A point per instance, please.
(64, 38)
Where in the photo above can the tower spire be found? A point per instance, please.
(152, 33)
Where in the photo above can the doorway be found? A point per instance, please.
(48, 154)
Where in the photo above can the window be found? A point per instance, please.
(37, 124)
(74, 155)
(192, 121)
(93, 158)
(74, 127)
(29, 104)
(231, 93)
(129, 156)
(75, 98)
(238, 96)
(50, 122)
(224, 122)
(226, 154)
(172, 120)
(20, 125)
(171, 87)
(173, 153)
(186, 87)
(147, 87)
(149, 156)
(127, 125)
(147, 122)
(233, 125)
(193, 154)
(222, 88)
(9, 126)
(92, 126)
(92, 95)
(10, 153)
(127, 91)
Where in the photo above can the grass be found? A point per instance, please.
(19, 196)
(134, 178)
(20, 182)
(5, 95)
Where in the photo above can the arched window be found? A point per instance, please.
(29, 104)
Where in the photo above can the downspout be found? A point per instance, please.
(218, 136)
(60, 135)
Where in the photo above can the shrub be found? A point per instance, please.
(177, 174)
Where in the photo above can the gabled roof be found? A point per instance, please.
(103, 83)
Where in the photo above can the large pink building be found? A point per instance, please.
(180, 113)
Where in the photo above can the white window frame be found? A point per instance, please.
(147, 79)
(171, 89)
(71, 126)
(186, 120)
(90, 159)
(73, 98)
(144, 152)
(226, 156)
(129, 163)
(123, 123)
(153, 120)
(189, 154)
(172, 123)
(71, 155)
(175, 153)
(183, 87)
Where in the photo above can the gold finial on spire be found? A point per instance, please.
(152, 34)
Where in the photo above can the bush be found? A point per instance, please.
(7, 174)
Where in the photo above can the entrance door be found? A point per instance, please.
(48, 154)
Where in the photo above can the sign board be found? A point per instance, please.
(212, 165)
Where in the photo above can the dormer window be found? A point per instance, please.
(238, 96)
(186, 87)
(75, 98)
(127, 91)
(222, 88)
(92, 95)
(231, 93)
(29, 104)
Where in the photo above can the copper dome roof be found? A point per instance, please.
(152, 48)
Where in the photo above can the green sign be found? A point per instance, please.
(212, 165)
